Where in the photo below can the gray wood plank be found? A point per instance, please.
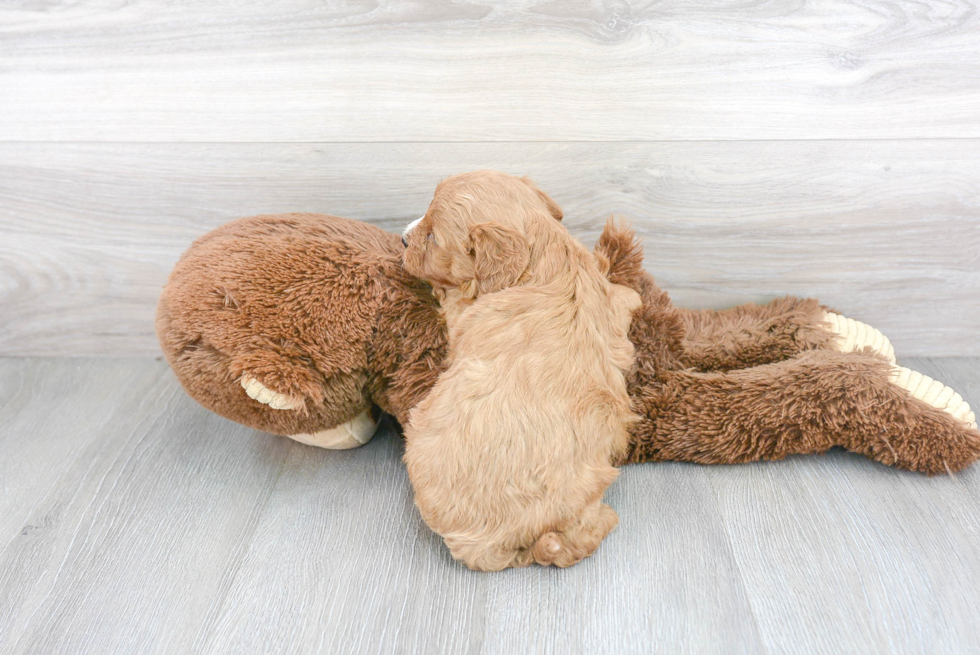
(134, 521)
(359, 572)
(469, 71)
(340, 563)
(125, 507)
(665, 581)
(885, 231)
(41, 403)
(842, 555)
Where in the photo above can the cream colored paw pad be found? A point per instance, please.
(356, 432)
(853, 336)
(934, 393)
(258, 391)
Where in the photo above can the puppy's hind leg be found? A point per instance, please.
(578, 541)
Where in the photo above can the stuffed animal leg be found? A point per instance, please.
(806, 404)
(738, 337)
(827, 393)
(751, 334)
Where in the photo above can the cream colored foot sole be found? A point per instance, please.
(258, 391)
(934, 393)
(854, 335)
(352, 434)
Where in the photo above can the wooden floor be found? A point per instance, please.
(134, 521)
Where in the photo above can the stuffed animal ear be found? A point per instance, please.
(553, 207)
(500, 256)
(623, 253)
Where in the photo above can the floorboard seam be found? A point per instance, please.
(738, 568)
(202, 642)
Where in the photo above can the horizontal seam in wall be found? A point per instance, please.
(504, 142)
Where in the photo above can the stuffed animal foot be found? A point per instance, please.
(356, 432)
(352, 434)
(935, 393)
(855, 336)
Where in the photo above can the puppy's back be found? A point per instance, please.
(521, 428)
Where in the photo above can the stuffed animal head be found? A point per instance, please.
(478, 233)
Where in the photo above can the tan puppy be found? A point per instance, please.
(511, 452)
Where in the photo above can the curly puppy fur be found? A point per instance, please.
(511, 451)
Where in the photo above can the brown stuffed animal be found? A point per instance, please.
(300, 324)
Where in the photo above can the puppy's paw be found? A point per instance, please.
(356, 432)
(935, 393)
(854, 336)
(258, 391)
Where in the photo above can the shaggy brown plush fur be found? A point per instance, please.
(319, 307)
(811, 400)
(750, 335)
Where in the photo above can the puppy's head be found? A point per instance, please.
(478, 232)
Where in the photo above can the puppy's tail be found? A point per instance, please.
(548, 549)
(556, 548)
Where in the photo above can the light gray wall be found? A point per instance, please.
(829, 148)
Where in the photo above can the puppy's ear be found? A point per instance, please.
(553, 207)
(500, 255)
